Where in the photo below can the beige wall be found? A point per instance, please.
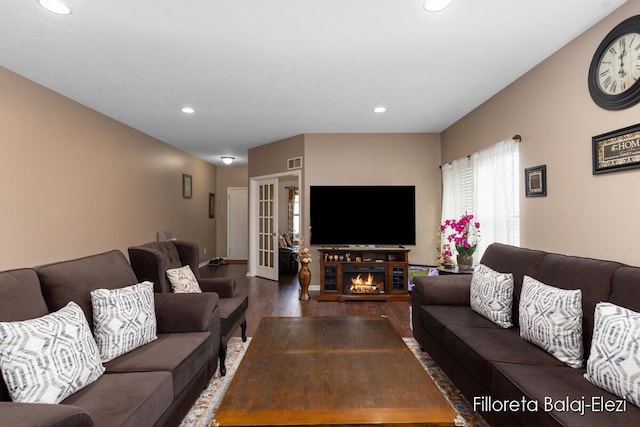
(272, 158)
(227, 176)
(380, 159)
(551, 108)
(74, 182)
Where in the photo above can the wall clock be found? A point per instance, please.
(614, 74)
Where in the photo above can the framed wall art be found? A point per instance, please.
(535, 180)
(617, 150)
(212, 205)
(187, 186)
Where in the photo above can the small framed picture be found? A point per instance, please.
(187, 186)
(535, 179)
(212, 205)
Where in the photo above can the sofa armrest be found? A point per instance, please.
(451, 289)
(185, 312)
(225, 287)
(39, 415)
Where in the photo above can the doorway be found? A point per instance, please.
(238, 223)
(264, 196)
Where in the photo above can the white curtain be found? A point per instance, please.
(457, 189)
(496, 187)
(486, 184)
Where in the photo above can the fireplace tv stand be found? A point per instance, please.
(388, 269)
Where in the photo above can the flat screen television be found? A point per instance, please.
(370, 215)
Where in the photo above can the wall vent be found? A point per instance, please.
(295, 163)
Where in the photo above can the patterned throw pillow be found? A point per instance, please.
(614, 362)
(123, 319)
(183, 280)
(552, 319)
(492, 295)
(47, 359)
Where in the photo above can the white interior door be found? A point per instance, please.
(238, 223)
(267, 229)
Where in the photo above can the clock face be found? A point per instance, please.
(614, 73)
(619, 67)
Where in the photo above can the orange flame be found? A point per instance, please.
(362, 286)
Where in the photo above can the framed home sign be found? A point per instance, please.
(617, 150)
(535, 180)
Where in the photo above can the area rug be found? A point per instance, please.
(203, 410)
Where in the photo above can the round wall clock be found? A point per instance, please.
(614, 74)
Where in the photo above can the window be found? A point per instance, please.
(486, 184)
(296, 215)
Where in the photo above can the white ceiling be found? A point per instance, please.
(258, 71)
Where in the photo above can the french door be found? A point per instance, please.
(267, 229)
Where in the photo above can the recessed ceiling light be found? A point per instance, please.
(379, 110)
(55, 6)
(188, 110)
(436, 5)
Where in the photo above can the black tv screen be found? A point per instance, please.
(363, 215)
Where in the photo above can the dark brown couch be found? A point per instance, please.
(489, 363)
(153, 385)
(151, 262)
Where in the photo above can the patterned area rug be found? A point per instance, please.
(203, 411)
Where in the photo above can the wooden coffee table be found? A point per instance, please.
(331, 371)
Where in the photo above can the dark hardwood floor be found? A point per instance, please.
(280, 299)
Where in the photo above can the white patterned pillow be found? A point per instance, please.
(123, 319)
(551, 318)
(492, 295)
(614, 362)
(47, 359)
(183, 280)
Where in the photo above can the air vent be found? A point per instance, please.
(295, 163)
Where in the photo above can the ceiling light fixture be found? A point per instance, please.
(187, 110)
(55, 6)
(379, 110)
(227, 160)
(436, 5)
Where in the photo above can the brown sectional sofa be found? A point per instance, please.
(153, 385)
(494, 366)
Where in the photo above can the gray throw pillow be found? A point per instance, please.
(492, 295)
(614, 361)
(47, 359)
(551, 318)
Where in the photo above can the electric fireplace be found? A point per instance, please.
(369, 279)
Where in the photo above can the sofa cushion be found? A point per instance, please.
(436, 318)
(232, 312)
(124, 319)
(183, 281)
(560, 387)
(491, 295)
(183, 355)
(552, 319)
(20, 295)
(625, 288)
(478, 348)
(614, 363)
(593, 277)
(126, 400)
(74, 280)
(44, 360)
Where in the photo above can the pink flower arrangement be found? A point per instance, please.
(464, 235)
